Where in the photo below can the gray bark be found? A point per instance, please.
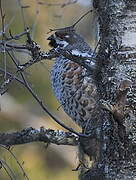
(115, 146)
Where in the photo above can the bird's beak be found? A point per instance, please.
(52, 41)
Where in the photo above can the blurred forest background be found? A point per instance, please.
(19, 109)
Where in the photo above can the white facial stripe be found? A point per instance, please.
(79, 53)
(64, 43)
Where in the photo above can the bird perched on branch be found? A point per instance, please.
(72, 83)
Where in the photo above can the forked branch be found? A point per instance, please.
(29, 135)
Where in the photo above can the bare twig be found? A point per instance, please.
(7, 25)
(8, 170)
(30, 135)
(13, 155)
(2, 18)
(73, 25)
(81, 18)
(79, 166)
(3, 37)
(11, 76)
(17, 36)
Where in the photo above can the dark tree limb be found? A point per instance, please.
(30, 135)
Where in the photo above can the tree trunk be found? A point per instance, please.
(115, 146)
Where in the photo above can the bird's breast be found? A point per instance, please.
(73, 89)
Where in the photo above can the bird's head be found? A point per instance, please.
(63, 37)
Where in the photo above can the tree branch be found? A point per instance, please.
(29, 135)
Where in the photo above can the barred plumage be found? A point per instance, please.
(73, 87)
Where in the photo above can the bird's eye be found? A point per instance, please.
(61, 35)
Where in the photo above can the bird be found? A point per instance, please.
(74, 85)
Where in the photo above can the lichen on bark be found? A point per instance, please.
(116, 84)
